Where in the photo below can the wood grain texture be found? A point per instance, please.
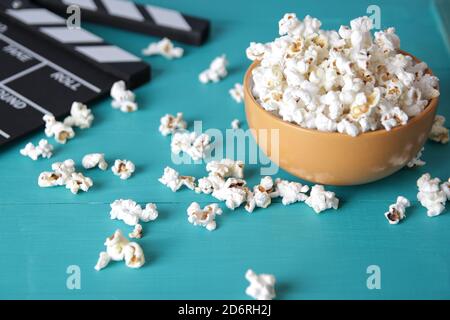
(42, 231)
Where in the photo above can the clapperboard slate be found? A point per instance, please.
(45, 66)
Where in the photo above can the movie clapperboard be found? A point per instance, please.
(45, 66)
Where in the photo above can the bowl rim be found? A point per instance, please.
(431, 107)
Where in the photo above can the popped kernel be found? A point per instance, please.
(397, 211)
(165, 48)
(173, 180)
(131, 212)
(237, 93)
(93, 160)
(103, 261)
(170, 124)
(261, 287)
(321, 200)
(234, 192)
(439, 133)
(44, 149)
(123, 99)
(136, 233)
(217, 70)
(77, 181)
(80, 116)
(196, 146)
(133, 255)
(417, 161)
(235, 124)
(430, 195)
(290, 192)
(123, 168)
(226, 168)
(203, 217)
(57, 129)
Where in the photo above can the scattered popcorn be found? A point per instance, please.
(80, 116)
(173, 180)
(417, 161)
(237, 92)
(235, 124)
(261, 286)
(103, 261)
(123, 99)
(43, 149)
(216, 71)
(119, 248)
(93, 160)
(196, 146)
(57, 129)
(203, 217)
(131, 212)
(346, 81)
(77, 181)
(397, 211)
(321, 200)
(164, 48)
(430, 195)
(291, 192)
(137, 232)
(439, 133)
(170, 124)
(226, 168)
(123, 168)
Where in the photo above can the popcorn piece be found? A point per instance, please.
(237, 93)
(58, 130)
(170, 124)
(430, 195)
(43, 149)
(80, 116)
(123, 169)
(133, 255)
(103, 261)
(234, 192)
(439, 133)
(64, 169)
(226, 168)
(216, 71)
(203, 217)
(261, 286)
(196, 146)
(49, 179)
(77, 181)
(137, 232)
(173, 180)
(321, 200)
(235, 124)
(397, 211)
(93, 160)
(262, 194)
(115, 245)
(417, 161)
(165, 48)
(210, 183)
(131, 212)
(123, 99)
(291, 192)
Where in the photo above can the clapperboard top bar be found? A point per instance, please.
(148, 19)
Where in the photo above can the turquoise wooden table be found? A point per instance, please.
(45, 231)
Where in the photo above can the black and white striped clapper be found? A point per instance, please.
(148, 19)
(44, 67)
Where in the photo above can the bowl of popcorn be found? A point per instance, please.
(349, 107)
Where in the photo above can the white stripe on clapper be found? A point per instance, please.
(23, 72)
(36, 16)
(84, 4)
(168, 18)
(66, 35)
(4, 134)
(123, 9)
(51, 64)
(107, 53)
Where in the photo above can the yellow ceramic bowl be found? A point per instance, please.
(333, 158)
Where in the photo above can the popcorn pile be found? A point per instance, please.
(64, 174)
(432, 194)
(165, 48)
(43, 149)
(131, 212)
(262, 286)
(397, 211)
(123, 99)
(119, 248)
(345, 81)
(217, 70)
(237, 92)
(205, 217)
(439, 133)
